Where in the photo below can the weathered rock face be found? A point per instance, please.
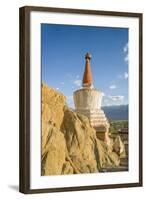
(69, 143)
(87, 152)
(119, 147)
(53, 150)
(52, 105)
(80, 142)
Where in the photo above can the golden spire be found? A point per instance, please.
(87, 78)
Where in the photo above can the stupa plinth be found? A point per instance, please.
(88, 100)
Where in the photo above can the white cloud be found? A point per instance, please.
(74, 80)
(126, 58)
(57, 88)
(77, 82)
(113, 100)
(125, 75)
(103, 94)
(125, 49)
(62, 83)
(117, 98)
(112, 87)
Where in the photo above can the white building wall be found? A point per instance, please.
(88, 102)
(87, 98)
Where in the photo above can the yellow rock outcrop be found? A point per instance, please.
(52, 105)
(69, 143)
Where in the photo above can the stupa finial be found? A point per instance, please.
(87, 78)
(88, 56)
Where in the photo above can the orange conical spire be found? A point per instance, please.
(87, 78)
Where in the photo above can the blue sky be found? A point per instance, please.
(63, 49)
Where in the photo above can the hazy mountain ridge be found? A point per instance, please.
(116, 112)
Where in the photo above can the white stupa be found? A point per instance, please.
(88, 100)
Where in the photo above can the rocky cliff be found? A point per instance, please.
(69, 143)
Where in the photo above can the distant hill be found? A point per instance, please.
(116, 112)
